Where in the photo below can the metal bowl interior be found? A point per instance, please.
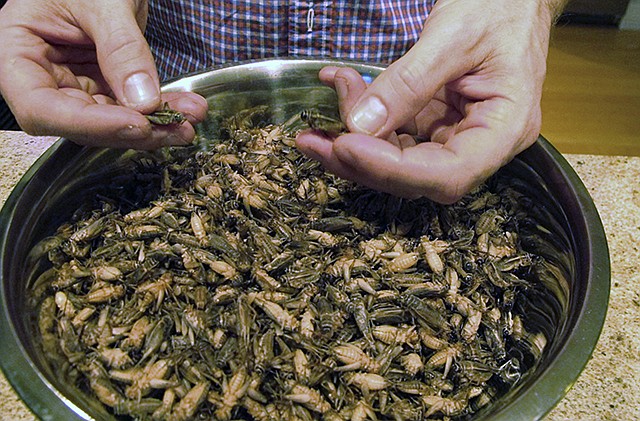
(68, 174)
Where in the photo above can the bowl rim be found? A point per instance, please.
(534, 402)
(553, 383)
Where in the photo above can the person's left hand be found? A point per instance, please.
(472, 84)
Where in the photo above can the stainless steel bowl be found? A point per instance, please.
(66, 174)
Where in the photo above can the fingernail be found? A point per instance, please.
(140, 89)
(369, 116)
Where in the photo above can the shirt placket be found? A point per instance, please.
(310, 28)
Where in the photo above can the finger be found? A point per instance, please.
(103, 99)
(161, 136)
(75, 114)
(320, 148)
(332, 159)
(79, 52)
(408, 85)
(86, 77)
(123, 54)
(427, 169)
(93, 73)
(515, 112)
(440, 117)
(193, 106)
(89, 85)
(327, 75)
(348, 84)
(406, 141)
(65, 78)
(440, 172)
(153, 138)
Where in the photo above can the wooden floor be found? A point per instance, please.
(591, 98)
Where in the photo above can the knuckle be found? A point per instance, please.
(409, 81)
(125, 47)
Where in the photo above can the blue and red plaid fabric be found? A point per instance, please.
(186, 36)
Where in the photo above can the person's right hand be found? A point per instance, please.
(84, 71)
(471, 85)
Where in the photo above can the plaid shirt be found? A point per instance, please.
(186, 36)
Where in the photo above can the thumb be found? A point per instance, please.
(123, 54)
(402, 90)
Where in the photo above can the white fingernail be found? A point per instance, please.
(140, 90)
(369, 116)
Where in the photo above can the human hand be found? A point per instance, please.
(472, 84)
(83, 70)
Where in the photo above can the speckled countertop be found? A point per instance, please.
(609, 386)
